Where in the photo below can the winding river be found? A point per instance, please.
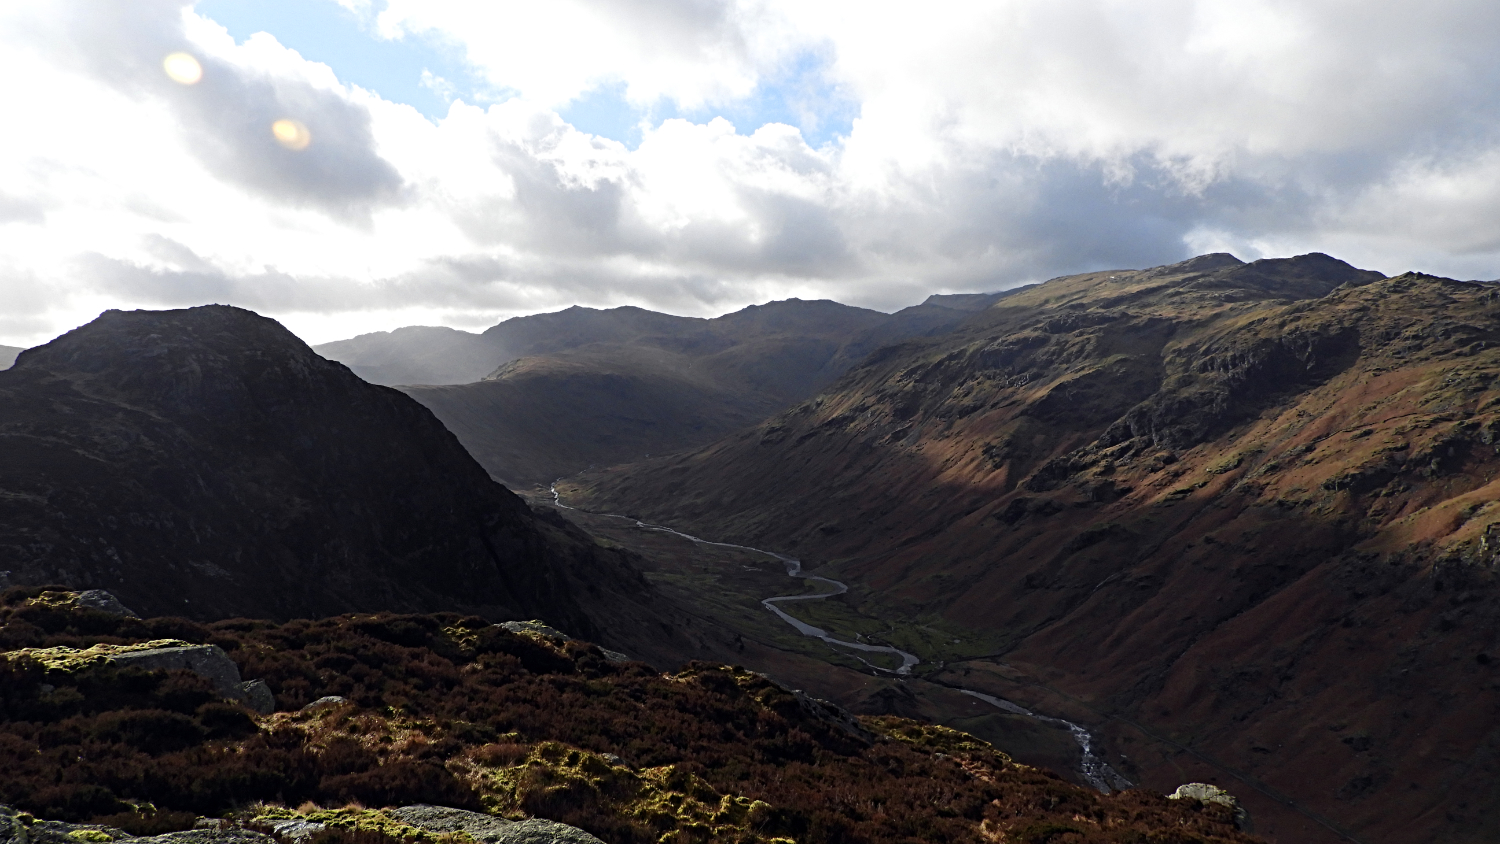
(1094, 770)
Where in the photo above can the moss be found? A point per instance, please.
(91, 836)
(69, 660)
(353, 819)
(666, 799)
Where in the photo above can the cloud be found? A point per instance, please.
(226, 119)
(994, 143)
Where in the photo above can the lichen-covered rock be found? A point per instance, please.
(537, 628)
(489, 829)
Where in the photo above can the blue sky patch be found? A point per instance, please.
(323, 31)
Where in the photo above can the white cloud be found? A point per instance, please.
(996, 142)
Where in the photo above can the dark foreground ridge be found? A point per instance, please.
(374, 712)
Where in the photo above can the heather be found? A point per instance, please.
(451, 710)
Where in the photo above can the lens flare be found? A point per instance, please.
(291, 134)
(183, 68)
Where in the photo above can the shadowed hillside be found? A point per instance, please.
(1242, 511)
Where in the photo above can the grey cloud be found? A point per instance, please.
(228, 115)
(16, 209)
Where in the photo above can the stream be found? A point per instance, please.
(1094, 770)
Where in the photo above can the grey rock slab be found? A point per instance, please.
(538, 831)
(324, 702)
(231, 835)
(297, 829)
(489, 829)
(98, 599)
(207, 661)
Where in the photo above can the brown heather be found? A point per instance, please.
(450, 710)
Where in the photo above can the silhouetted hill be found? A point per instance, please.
(661, 384)
(8, 356)
(1242, 510)
(205, 462)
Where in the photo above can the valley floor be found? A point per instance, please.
(727, 585)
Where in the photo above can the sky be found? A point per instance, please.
(348, 166)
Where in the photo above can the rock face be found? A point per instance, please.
(1250, 504)
(207, 463)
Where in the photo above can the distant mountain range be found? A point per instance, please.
(8, 356)
(567, 390)
(1242, 511)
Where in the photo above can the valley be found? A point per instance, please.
(1235, 517)
(1216, 522)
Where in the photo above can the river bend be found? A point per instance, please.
(1094, 770)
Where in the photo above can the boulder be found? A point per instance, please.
(98, 599)
(489, 829)
(208, 661)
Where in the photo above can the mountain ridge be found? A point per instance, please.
(1152, 486)
(663, 384)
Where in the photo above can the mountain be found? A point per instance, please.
(1240, 517)
(206, 463)
(418, 354)
(602, 387)
(555, 740)
(8, 356)
(432, 355)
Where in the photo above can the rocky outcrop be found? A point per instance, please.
(488, 829)
(21, 828)
(1206, 793)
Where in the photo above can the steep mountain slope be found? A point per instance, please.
(8, 356)
(1244, 512)
(515, 720)
(564, 408)
(206, 462)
